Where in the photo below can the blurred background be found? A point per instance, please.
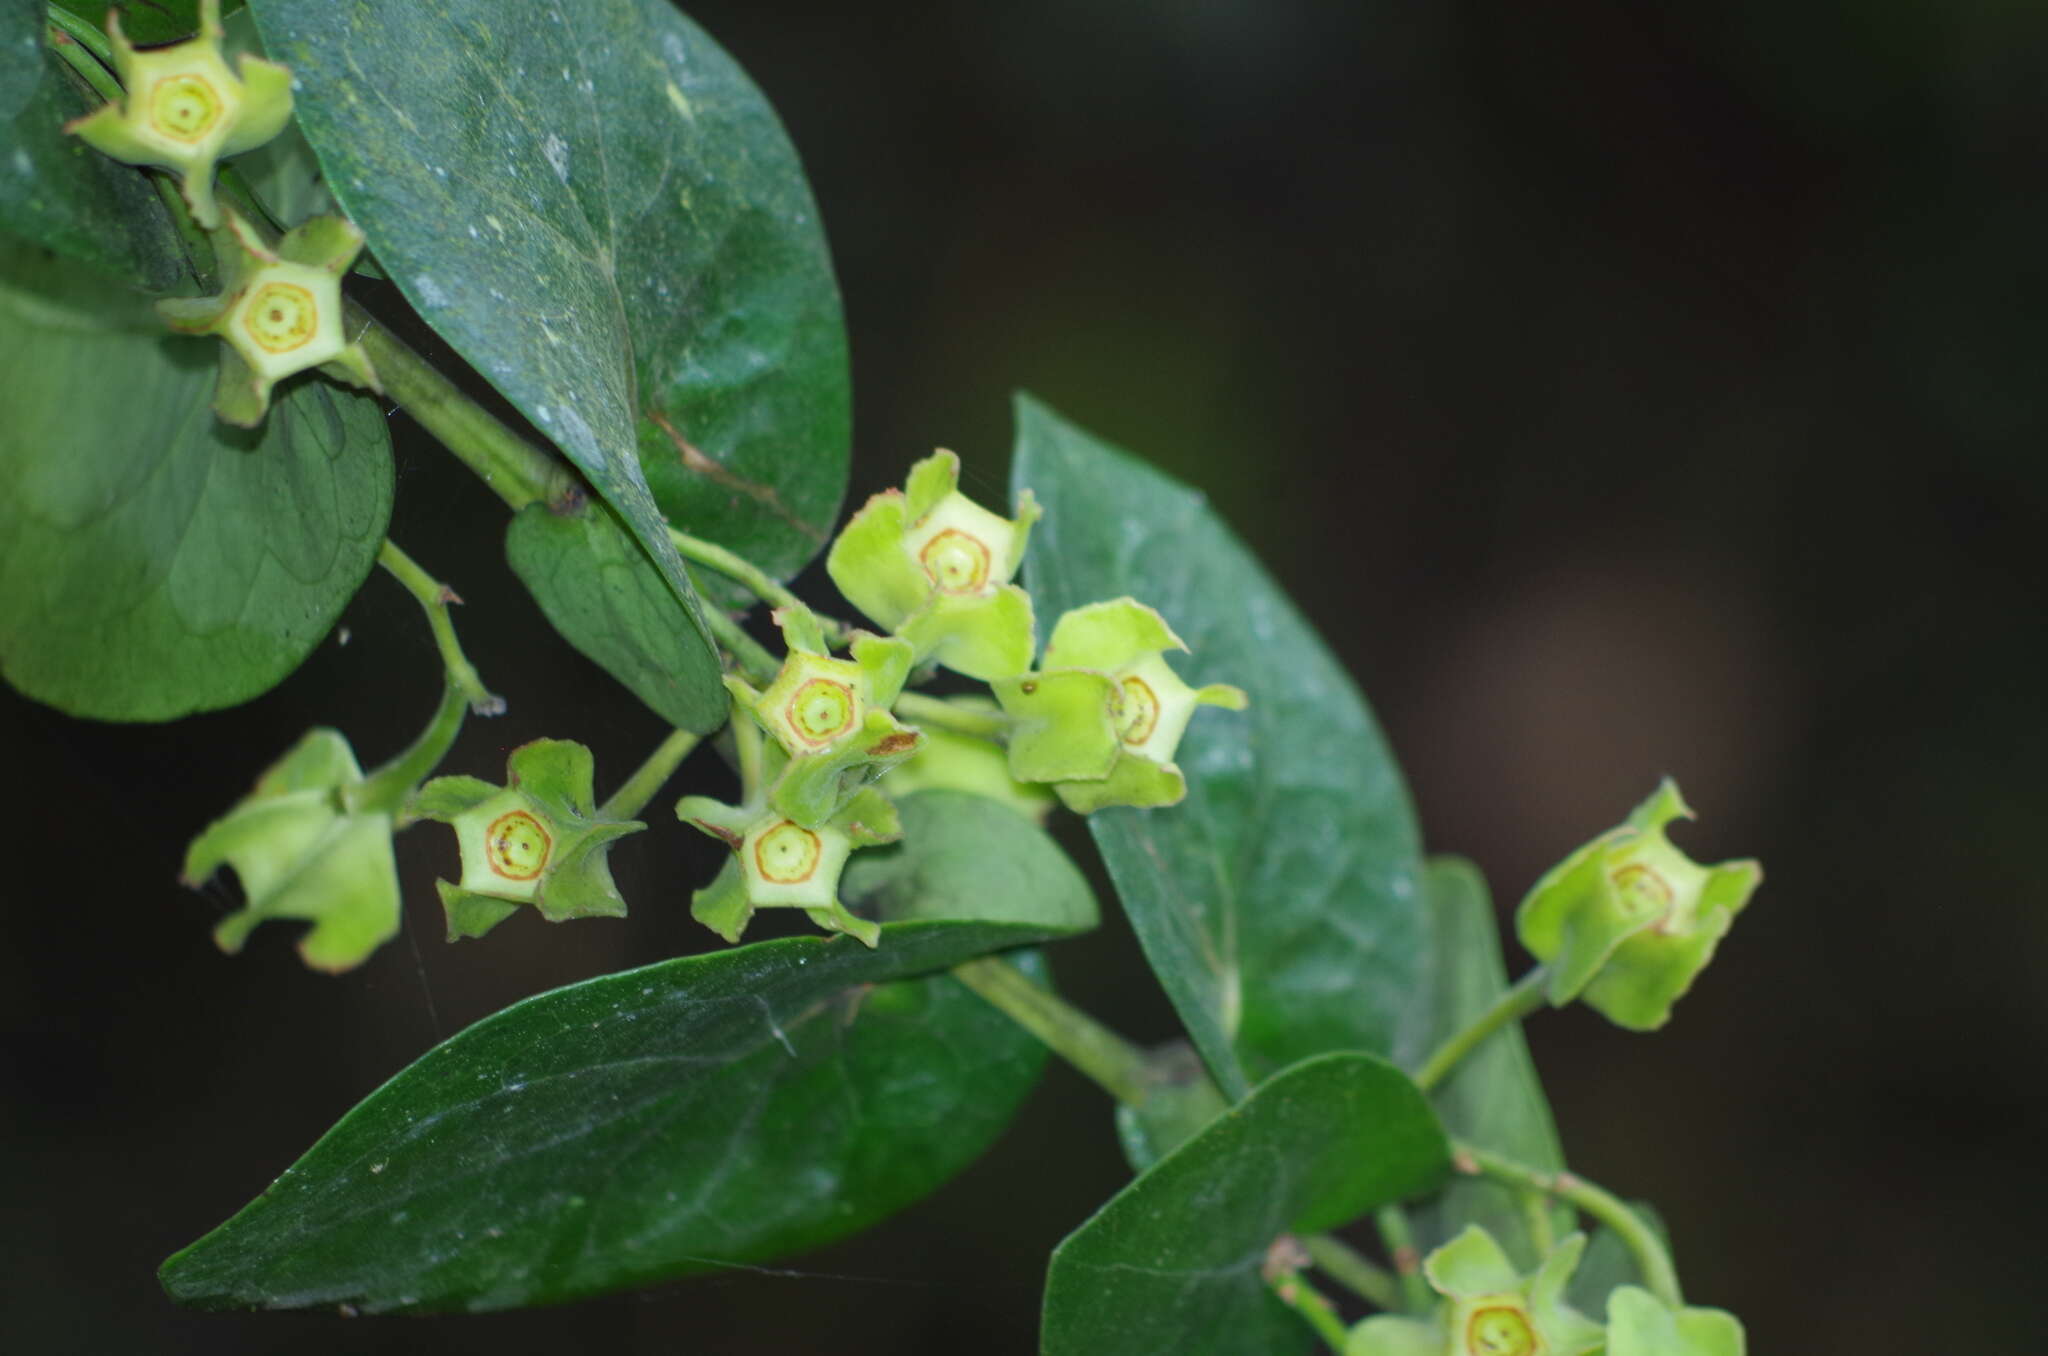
(1624, 390)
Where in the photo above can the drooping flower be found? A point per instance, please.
(300, 851)
(1628, 921)
(1104, 714)
(934, 567)
(183, 110)
(539, 840)
(278, 312)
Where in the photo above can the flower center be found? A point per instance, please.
(1500, 1331)
(821, 710)
(787, 854)
(1137, 711)
(516, 845)
(281, 317)
(1640, 891)
(956, 562)
(183, 107)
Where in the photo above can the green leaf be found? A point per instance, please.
(599, 589)
(705, 1111)
(21, 53)
(1172, 1262)
(594, 206)
(966, 856)
(62, 194)
(154, 561)
(146, 24)
(1493, 1098)
(1279, 904)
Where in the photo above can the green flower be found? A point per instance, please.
(950, 761)
(1103, 717)
(934, 567)
(831, 716)
(779, 863)
(279, 312)
(183, 109)
(1640, 1324)
(539, 840)
(1489, 1309)
(1627, 921)
(301, 852)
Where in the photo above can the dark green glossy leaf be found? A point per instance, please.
(1493, 1098)
(715, 1109)
(147, 22)
(21, 53)
(598, 588)
(154, 561)
(62, 194)
(1172, 1262)
(1280, 903)
(966, 856)
(594, 206)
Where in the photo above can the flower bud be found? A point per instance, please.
(779, 863)
(934, 567)
(831, 716)
(183, 109)
(537, 840)
(1640, 1324)
(1103, 717)
(1627, 921)
(299, 853)
(278, 312)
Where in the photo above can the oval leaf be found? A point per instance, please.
(601, 592)
(710, 1110)
(66, 196)
(154, 561)
(1279, 904)
(1172, 1262)
(1493, 1098)
(594, 206)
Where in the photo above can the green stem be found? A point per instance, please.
(1536, 1219)
(638, 789)
(750, 654)
(519, 472)
(746, 743)
(85, 35)
(1518, 1002)
(463, 692)
(1344, 1264)
(1652, 1259)
(919, 709)
(1107, 1058)
(1307, 1301)
(757, 580)
(1392, 1222)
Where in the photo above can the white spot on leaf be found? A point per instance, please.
(557, 152)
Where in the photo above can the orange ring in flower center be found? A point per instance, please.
(787, 854)
(955, 562)
(820, 710)
(517, 845)
(1640, 891)
(1500, 1330)
(281, 316)
(1138, 711)
(184, 107)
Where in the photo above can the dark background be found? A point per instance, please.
(1623, 390)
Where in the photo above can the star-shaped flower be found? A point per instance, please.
(1489, 1308)
(278, 312)
(934, 567)
(184, 110)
